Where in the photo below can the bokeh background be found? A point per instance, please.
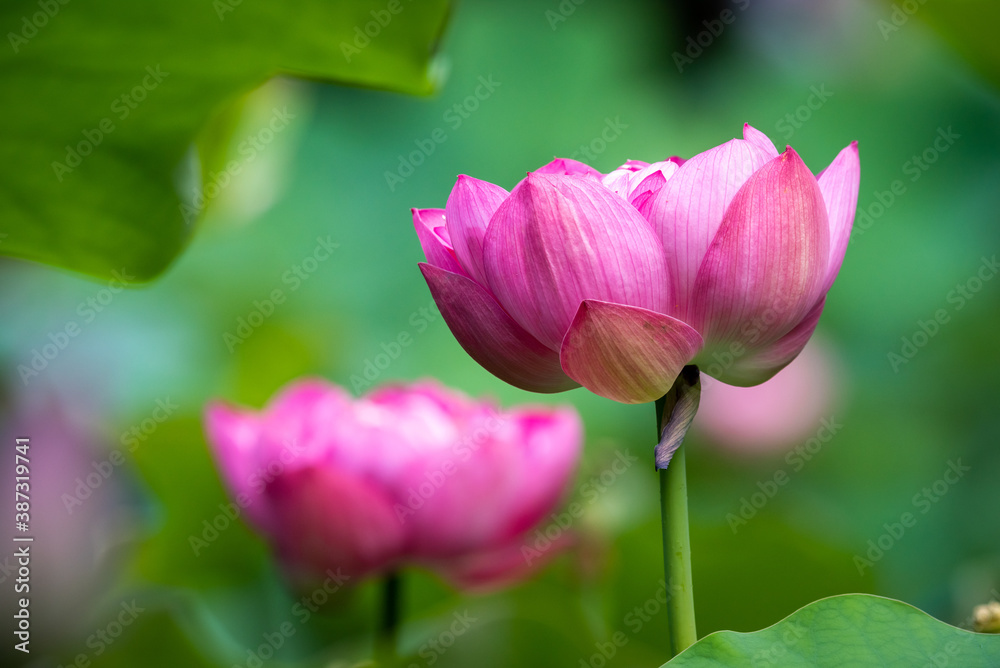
(523, 82)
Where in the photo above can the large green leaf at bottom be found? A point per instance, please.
(130, 85)
(852, 630)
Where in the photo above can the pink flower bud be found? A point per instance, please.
(616, 282)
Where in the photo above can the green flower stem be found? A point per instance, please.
(676, 548)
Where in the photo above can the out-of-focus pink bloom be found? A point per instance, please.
(775, 415)
(407, 474)
(79, 516)
(616, 282)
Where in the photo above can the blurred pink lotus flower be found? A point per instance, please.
(617, 281)
(775, 415)
(418, 474)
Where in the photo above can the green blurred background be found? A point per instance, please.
(554, 86)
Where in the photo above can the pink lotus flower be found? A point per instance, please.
(617, 281)
(416, 474)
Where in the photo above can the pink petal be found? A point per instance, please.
(234, 436)
(760, 140)
(430, 227)
(326, 519)
(492, 337)
(569, 167)
(500, 477)
(761, 364)
(619, 180)
(389, 431)
(458, 500)
(468, 211)
(632, 166)
(627, 354)
(636, 178)
(766, 266)
(687, 212)
(295, 425)
(839, 185)
(415, 397)
(558, 240)
(642, 194)
(550, 441)
(657, 173)
(503, 566)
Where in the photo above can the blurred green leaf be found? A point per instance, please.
(105, 100)
(968, 25)
(154, 639)
(848, 630)
(201, 540)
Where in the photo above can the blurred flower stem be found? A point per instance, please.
(674, 412)
(387, 639)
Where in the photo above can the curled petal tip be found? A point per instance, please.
(568, 167)
(754, 136)
(433, 238)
